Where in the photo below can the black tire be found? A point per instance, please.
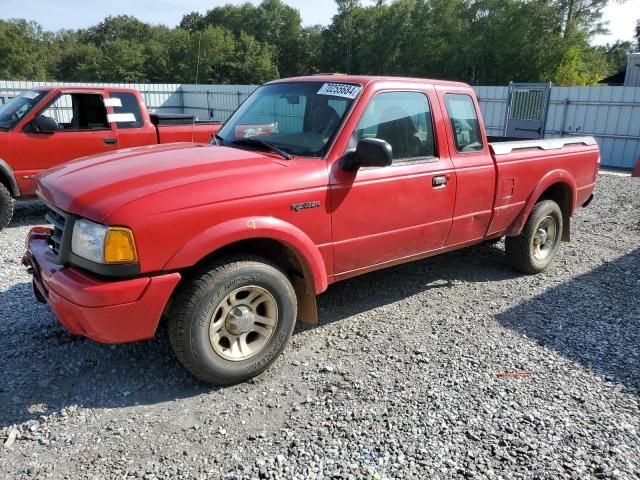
(6, 206)
(521, 250)
(201, 295)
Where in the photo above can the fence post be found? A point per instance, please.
(239, 93)
(565, 106)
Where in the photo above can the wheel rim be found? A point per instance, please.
(544, 238)
(243, 323)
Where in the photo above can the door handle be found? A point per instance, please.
(110, 141)
(439, 181)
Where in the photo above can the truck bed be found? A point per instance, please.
(523, 165)
(506, 145)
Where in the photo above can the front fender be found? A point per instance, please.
(551, 178)
(247, 228)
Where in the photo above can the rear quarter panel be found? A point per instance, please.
(525, 174)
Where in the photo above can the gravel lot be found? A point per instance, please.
(400, 380)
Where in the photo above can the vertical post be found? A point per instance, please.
(545, 115)
(181, 92)
(565, 106)
(239, 98)
(507, 112)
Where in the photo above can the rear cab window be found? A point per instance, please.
(126, 110)
(465, 126)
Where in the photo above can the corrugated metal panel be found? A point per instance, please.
(493, 103)
(632, 78)
(610, 114)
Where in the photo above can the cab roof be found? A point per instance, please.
(365, 80)
(48, 88)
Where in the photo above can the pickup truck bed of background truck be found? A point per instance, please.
(45, 127)
(311, 181)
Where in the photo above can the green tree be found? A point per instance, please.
(617, 55)
(24, 49)
(75, 61)
(272, 22)
(113, 29)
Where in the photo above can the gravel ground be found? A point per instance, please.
(400, 380)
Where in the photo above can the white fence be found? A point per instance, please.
(610, 114)
(207, 102)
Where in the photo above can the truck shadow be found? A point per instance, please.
(603, 333)
(45, 369)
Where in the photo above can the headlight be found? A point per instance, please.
(102, 244)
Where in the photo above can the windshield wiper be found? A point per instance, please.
(218, 139)
(262, 143)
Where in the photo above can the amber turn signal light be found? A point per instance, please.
(119, 246)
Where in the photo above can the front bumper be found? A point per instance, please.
(103, 310)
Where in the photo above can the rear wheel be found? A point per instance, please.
(6, 206)
(533, 250)
(232, 319)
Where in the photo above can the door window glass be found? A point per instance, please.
(403, 119)
(125, 106)
(464, 122)
(78, 111)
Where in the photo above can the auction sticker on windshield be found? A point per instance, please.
(340, 90)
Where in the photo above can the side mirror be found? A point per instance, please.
(370, 152)
(42, 124)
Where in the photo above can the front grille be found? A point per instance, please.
(58, 220)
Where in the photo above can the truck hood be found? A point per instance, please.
(94, 186)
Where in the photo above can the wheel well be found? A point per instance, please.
(561, 194)
(270, 249)
(277, 252)
(288, 260)
(6, 181)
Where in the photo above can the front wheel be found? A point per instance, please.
(232, 319)
(6, 206)
(533, 250)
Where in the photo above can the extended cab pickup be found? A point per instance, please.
(311, 181)
(47, 126)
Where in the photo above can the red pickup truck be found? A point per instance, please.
(311, 181)
(45, 127)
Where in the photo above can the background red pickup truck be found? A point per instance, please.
(45, 127)
(312, 180)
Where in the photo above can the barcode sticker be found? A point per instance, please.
(345, 90)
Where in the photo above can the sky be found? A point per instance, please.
(57, 14)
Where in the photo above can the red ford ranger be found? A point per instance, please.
(45, 127)
(311, 181)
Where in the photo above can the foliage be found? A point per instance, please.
(477, 41)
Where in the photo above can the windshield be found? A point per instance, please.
(18, 107)
(299, 118)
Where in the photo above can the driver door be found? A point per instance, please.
(83, 130)
(385, 214)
